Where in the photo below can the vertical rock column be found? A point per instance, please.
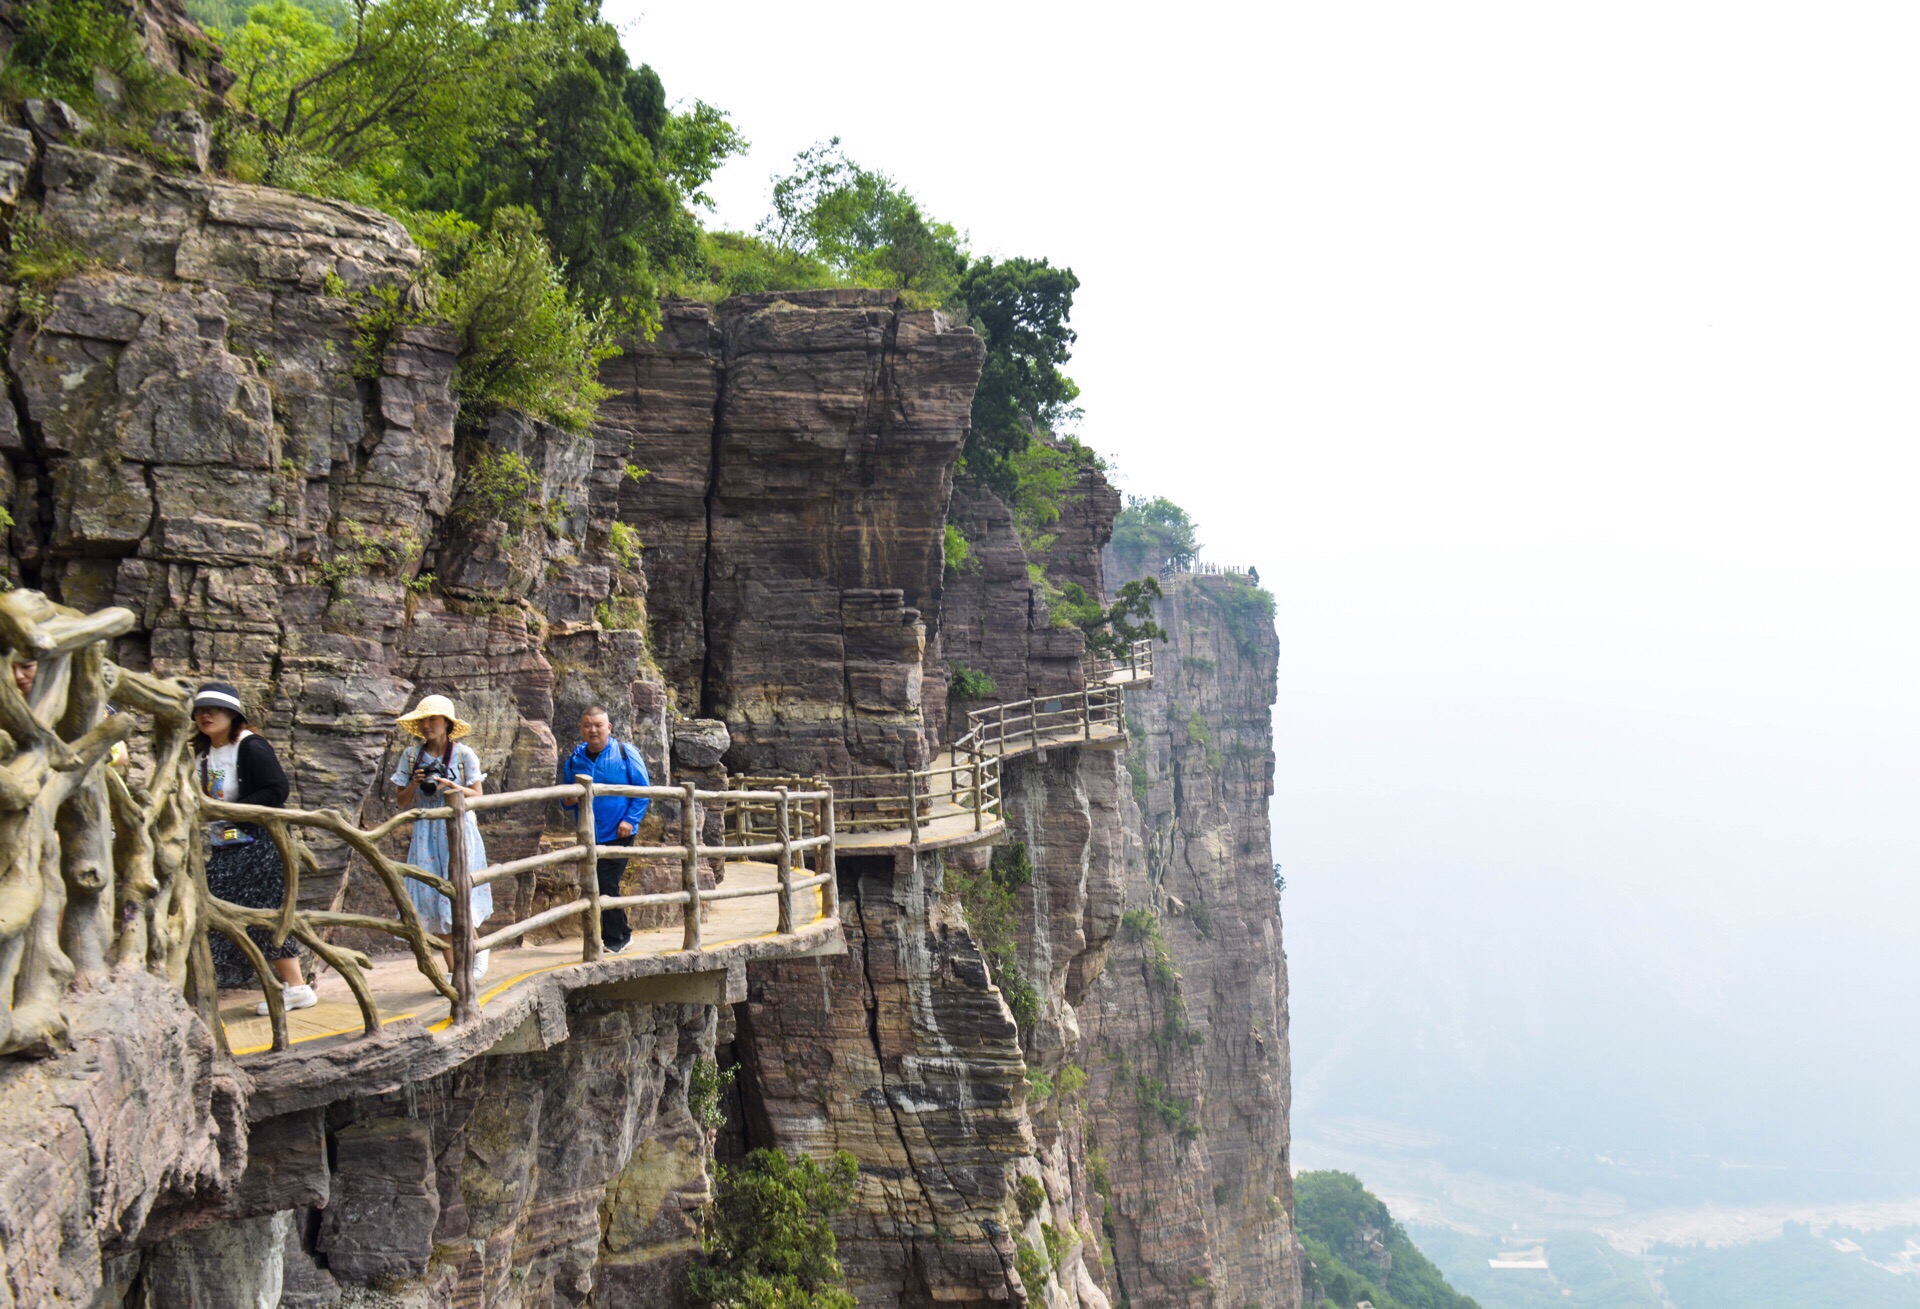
(840, 417)
(1186, 1028)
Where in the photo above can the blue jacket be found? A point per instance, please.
(621, 765)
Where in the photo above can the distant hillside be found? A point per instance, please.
(1356, 1251)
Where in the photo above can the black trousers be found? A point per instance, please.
(614, 930)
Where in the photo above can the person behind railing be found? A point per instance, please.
(26, 672)
(615, 817)
(428, 771)
(235, 764)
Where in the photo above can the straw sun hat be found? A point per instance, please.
(431, 706)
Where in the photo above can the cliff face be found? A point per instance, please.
(192, 431)
(1187, 1027)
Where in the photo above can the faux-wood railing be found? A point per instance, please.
(969, 782)
(1137, 664)
(800, 825)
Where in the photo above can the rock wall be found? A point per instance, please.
(1186, 1028)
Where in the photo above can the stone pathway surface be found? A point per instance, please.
(404, 995)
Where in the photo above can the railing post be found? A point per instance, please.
(975, 758)
(913, 805)
(466, 1006)
(1001, 738)
(588, 830)
(830, 889)
(785, 924)
(1033, 722)
(1086, 714)
(690, 871)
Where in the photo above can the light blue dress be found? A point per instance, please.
(428, 849)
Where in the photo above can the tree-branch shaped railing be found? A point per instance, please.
(800, 848)
(98, 871)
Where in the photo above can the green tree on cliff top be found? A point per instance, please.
(1021, 307)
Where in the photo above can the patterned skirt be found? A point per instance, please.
(249, 876)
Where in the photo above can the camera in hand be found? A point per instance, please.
(432, 772)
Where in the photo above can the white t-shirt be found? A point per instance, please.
(220, 780)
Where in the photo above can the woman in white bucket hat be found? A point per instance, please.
(428, 769)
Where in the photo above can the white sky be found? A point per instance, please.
(1555, 364)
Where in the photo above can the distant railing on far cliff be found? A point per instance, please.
(1202, 568)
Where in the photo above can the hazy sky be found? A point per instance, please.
(1555, 364)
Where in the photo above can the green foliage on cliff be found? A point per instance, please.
(1029, 1195)
(1021, 307)
(990, 899)
(1151, 534)
(525, 341)
(965, 683)
(371, 102)
(483, 111)
(499, 486)
(1340, 1223)
(1032, 1266)
(596, 153)
(1128, 619)
(957, 552)
(707, 1085)
(58, 45)
(863, 225)
(768, 1244)
(1247, 610)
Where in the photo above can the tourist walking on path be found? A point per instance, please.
(235, 764)
(428, 770)
(615, 817)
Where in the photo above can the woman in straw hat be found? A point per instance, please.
(439, 727)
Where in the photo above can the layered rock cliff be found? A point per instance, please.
(1187, 1037)
(194, 427)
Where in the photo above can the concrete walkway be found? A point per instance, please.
(406, 997)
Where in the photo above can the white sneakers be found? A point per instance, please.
(480, 964)
(293, 997)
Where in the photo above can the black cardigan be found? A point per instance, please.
(261, 780)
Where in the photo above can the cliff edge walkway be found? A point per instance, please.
(766, 891)
(120, 877)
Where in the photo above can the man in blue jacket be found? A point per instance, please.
(615, 817)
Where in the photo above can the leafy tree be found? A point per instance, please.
(525, 341)
(1021, 307)
(598, 156)
(864, 226)
(768, 1245)
(1151, 534)
(1128, 619)
(388, 96)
